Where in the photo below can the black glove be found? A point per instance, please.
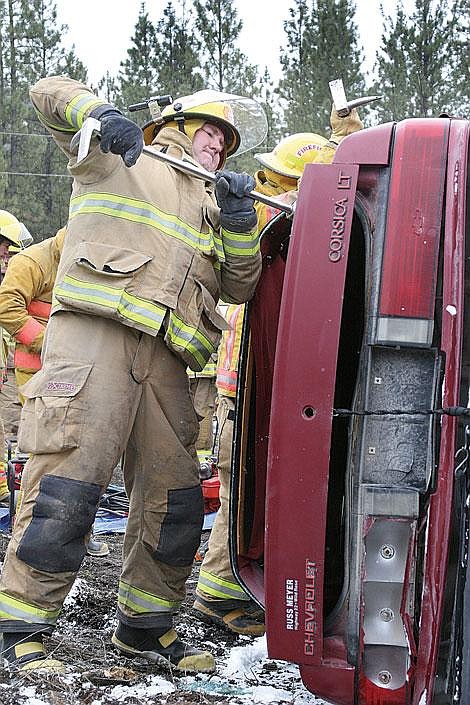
(121, 136)
(237, 212)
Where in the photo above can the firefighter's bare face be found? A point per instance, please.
(208, 145)
(5, 255)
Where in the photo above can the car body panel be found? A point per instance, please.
(352, 347)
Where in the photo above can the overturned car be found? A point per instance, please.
(350, 486)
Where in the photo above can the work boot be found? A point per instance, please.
(25, 652)
(164, 649)
(97, 548)
(238, 616)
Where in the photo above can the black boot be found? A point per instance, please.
(237, 616)
(25, 652)
(165, 649)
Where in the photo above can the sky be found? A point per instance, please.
(101, 30)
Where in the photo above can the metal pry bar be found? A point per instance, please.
(92, 127)
(342, 105)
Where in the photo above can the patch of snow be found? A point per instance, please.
(79, 589)
(248, 675)
(242, 659)
(155, 685)
(28, 696)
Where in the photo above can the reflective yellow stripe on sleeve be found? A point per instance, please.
(79, 108)
(190, 339)
(143, 314)
(76, 111)
(141, 602)
(143, 212)
(13, 609)
(240, 244)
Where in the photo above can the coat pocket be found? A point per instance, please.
(54, 409)
(107, 281)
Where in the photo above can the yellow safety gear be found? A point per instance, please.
(229, 351)
(342, 127)
(289, 157)
(15, 232)
(279, 181)
(242, 120)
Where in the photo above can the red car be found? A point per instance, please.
(350, 497)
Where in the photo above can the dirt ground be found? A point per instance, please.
(82, 640)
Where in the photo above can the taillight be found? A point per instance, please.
(371, 694)
(412, 228)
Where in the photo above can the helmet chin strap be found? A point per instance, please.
(179, 119)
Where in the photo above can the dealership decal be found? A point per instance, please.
(292, 604)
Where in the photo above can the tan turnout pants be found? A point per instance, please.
(216, 578)
(104, 388)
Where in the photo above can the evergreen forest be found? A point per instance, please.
(421, 69)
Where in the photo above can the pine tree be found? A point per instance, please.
(418, 64)
(177, 52)
(31, 48)
(322, 45)
(270, 102)
(393, 68)
(138, 78)
(226, 67)
(460, 76)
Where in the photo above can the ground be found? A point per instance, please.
(97, 675)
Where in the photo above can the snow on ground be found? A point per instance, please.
(245, 675)
(245, 672)
(98, 675)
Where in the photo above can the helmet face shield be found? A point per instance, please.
(242, 120)
(25, 237)
(251, 122)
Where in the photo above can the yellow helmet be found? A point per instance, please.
(15, 232)
(242, 120)
(292, 153)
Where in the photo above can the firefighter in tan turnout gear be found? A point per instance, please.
(146, 257)
(25, 302)
(14, 236)
(219, 597)
(25, 307)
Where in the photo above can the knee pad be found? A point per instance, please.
(63, 514)
(180, 532)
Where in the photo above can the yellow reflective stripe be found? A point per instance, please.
(79, 108)
(29, 647)
(127, 305)
(218, 587)
(138, 211)
(219, 246)
(240, 244)
(141, 602)
(11, 608)
(190, 339)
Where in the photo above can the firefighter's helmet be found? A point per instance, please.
(242, 120)
(292, 153)
(15, 232)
